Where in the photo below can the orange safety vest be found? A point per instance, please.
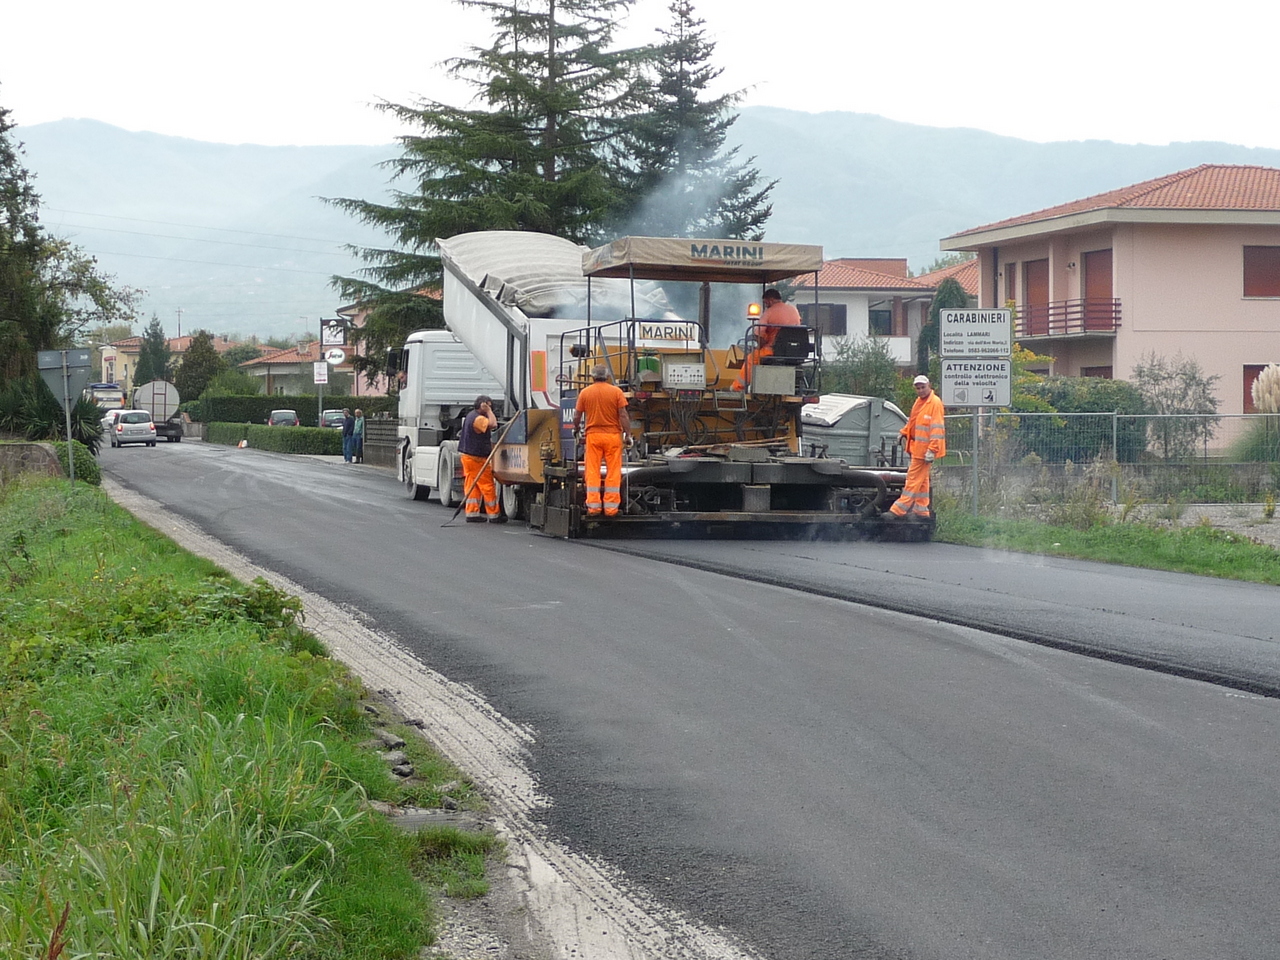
(926, 428)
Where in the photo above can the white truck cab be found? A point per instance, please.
(440, 380)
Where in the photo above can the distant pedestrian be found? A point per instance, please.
(358, 437)
(348, 433)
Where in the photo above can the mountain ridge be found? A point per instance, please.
(235, 236)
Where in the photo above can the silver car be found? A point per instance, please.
(134, 426)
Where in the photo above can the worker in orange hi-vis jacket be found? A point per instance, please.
(475, 444)
(776, 314)
(608, 430)
(926, 434)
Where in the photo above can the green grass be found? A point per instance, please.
(1200, 550)
(180, 764)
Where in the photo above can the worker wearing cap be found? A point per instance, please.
(608, 429)
(475, 445)
(926, 440)
(776, 314)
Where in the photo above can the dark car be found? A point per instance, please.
(284, 418)
(331, 418)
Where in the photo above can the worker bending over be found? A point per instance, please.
(475, 447)
(776, 314)
(926, 435)
(608, 429)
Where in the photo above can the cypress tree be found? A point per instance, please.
(153, 355)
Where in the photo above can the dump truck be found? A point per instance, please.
(539, 312)
(160, 399)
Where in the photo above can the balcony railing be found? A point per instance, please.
(1067, 318)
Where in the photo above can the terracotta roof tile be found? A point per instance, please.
(966, 273)
(1206, 187)
(852, 273)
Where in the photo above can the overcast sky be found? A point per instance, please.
(284, 72)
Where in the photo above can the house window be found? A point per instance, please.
(1262, 271)
(829, 318)
(880, 323)
(1102, 373)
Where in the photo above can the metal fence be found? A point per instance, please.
(1185, 457)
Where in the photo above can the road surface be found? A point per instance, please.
(810, 776)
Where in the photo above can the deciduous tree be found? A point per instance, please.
(49, 289)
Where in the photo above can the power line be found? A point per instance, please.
(190, 226)
(209, 263)
(229, 243)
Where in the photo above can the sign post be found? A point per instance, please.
(66, 372)
(333, 336)
(977, 366)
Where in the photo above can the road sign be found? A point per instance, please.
(333, 333)
(49, 363)
(975, 333)
(320, 368)
(976, 383)
(335, 356)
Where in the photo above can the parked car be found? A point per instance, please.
(134, 426)
(331, 418)
(284, 418)
(109, 422)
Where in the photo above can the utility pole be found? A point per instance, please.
(179, 323)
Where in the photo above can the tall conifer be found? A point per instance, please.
(530, 153)
(680, 180)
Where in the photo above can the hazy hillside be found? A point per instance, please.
(236, 238)
(862, 185)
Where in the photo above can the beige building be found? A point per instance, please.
(1188, 263)
(120, 358)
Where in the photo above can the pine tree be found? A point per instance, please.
(153, 355)
(200, 364)
(679, 181)
(533, 154)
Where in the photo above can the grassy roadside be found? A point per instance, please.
(1199, 550)
(183, 771)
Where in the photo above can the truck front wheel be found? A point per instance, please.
(415, 490)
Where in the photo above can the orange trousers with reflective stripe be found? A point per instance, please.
(607, 448)
(744, 375)
(915, 492)
(478, 478)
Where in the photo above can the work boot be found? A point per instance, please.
(497, 518)
(474, 518)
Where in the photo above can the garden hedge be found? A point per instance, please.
(257, 409)
(314, 440)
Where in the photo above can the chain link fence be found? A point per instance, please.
(1024, 463)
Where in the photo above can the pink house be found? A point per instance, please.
(1185, 263)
